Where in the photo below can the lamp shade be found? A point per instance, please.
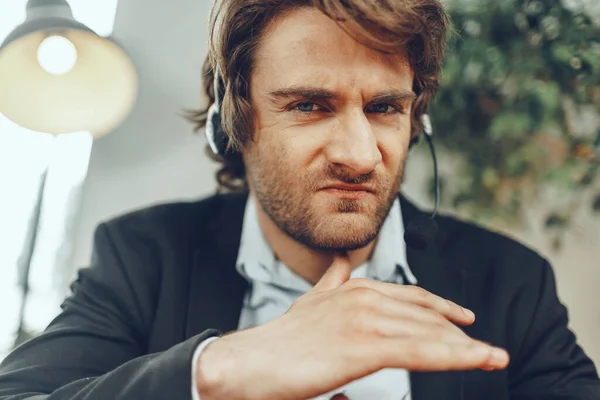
(95, 93)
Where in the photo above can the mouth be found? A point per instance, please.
(347, 190)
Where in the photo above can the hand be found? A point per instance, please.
(338, 332)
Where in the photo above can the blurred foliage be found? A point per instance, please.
(516, 77)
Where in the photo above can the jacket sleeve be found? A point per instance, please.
(550, 365)
(96, 348)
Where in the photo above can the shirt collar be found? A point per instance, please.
(256, 261)
(255, 258)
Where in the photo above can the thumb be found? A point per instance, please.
(336, 275)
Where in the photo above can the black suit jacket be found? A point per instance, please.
(163, 279)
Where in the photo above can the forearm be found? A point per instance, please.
(165, 375)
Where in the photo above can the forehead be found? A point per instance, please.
(306, 46)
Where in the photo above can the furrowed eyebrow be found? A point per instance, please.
(305, 92)
(316, 94)
(394, 95)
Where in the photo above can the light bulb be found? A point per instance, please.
(57, 55)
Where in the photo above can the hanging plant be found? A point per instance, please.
(519, 103)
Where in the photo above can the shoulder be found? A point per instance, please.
(179, 222)
(488, 255)
(186, 210)
(488, 243)
(467, 240)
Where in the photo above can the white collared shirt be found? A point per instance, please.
(274, 287)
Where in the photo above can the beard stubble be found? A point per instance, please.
(287, 198)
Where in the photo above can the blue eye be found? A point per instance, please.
(305, 107)
(382, 108)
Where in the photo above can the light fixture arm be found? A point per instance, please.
(43, 3)
(48, 9)
(43, 15)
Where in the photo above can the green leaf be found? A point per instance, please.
(555, 221)
(556, 244)
(500, 104)
(596, 203)
(562, 53)
(548, 95)
(510, 125)
(597, 140)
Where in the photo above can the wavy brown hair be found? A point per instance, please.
(418, 27)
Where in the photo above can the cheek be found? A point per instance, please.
(297, 147)
(393, 145)
(305, 149)
(272, 157)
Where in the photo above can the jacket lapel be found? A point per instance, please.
(437, 276)
(216, 289)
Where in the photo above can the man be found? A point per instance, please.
(249, 296)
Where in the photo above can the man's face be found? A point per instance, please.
(329, 112)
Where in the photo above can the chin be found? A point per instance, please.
(345, 206)
(345, 231)
(326, 224)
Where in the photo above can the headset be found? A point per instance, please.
(420, 232)
(216, 137)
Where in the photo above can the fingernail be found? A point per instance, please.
(468, 313)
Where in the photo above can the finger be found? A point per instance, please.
(421, 297)
(410, 328)
(433, 355)
(336, 275)
(381, 305)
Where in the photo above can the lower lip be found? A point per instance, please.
(348, 194)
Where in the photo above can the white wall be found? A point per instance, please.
(154, 157)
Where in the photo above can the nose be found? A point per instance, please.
(353, 144)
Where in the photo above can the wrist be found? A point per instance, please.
(209, 372)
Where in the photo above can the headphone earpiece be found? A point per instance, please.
(427, 129)
(216, 137)
(420, 233)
